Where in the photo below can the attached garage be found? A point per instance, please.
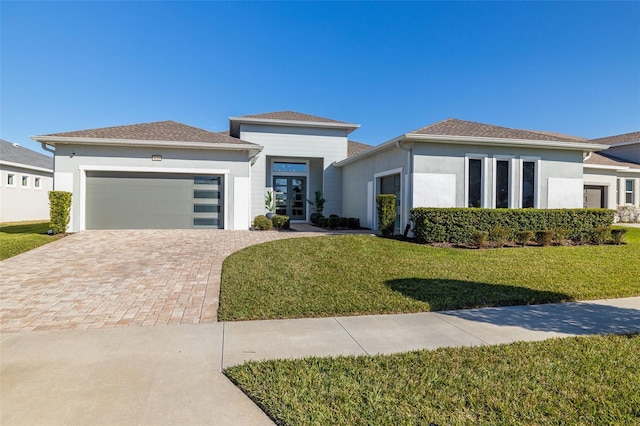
(136, 200)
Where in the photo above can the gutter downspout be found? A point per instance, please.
(586, 157)
(46, 148)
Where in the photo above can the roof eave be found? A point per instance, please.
(248, 120)
(53, 140)
(625, 143)
(470, 140)
(25, 166)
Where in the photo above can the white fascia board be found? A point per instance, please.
(295, 123)
(52, 140)
(625, 143)
(25, 166)
(473, 140)
(182, 170)
(614, 168)
(372, 151)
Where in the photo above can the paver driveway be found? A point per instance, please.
(97, 279)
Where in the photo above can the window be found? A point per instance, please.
(528, 184)
(206, 208)
(475, 183)
(36, 182)
(279, 167)
(628, 191)
(25, 181)
(206, 180)
(11, 179)
(205, 221)
(502, 184)
(203, 193)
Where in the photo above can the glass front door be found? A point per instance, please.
(291, 195)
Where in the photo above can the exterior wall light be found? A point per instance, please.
(156, 158)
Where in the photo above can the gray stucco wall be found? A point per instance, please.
(70, 159)
(629, 152)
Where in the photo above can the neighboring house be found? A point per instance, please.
(171, 175)
(26, 177)
(612, 177)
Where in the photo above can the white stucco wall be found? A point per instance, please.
(70, 160)
(319, 146)
(19, 203)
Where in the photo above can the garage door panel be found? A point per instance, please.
(145, 201)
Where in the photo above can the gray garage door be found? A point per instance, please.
(123, 200)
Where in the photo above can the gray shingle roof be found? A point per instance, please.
(612, 140)
(356, 148)
(293, 116)
(603, 159)
(21, 155)
(156, 131)
(456, 127)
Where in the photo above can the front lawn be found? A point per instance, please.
(359, 274)
(21, 237)
(582, 380)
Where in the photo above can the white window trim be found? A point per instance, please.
(14, 176)
(510, 160)
(22, 178)
(483, 189)
(376, 189)
(91, 168)
(627, 192)
(536, 178)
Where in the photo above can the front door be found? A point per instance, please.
(291, 193)
(594, 197)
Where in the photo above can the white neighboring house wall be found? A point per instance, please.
(20, 202)
(72, 162)
(318, 147)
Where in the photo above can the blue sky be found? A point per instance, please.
(570, 67)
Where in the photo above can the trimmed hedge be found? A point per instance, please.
(262, 223)
(456, 225)
(386, 213)
(59, 210)
(281, 221)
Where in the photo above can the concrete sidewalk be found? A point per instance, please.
(172, 374)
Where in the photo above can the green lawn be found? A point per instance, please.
(582, 380)
(359, 274)
(21, 237)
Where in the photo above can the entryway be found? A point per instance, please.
(594, 197)
(291, 195)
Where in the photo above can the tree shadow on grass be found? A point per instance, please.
(445, 294)
(579, 318)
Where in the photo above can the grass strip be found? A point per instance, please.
(582, 380)
(21, 237)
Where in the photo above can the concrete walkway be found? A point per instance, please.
(172, 374)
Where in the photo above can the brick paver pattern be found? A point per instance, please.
(123, 278)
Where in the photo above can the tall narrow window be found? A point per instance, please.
(502, 184)
(628, 193)
(528, 184)
(11, 180)
(25, 181)
(475, 183)
(36, 182)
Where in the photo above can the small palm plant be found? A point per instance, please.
(318, 206)
(270, 202)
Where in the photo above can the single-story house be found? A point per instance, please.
(26, 177)
(171, 175)
(612, 177)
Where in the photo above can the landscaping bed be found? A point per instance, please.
(360, 274)
(581, 380)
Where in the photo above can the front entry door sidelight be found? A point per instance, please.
(291, 193)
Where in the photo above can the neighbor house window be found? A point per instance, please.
(25, 181)
(36, 182)
(11, 179)
(628, 191)
(475, 183)
(528, 184)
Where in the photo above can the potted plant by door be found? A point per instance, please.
(270, 204)
(318, 206)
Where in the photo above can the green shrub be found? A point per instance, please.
(353, 223)
(499, 235)
(59, 210)
(323, 222)
(333, 222)
(479, 238)
(334, 215)
(600, 234)
(617, 235)
(544, 237)
(523, 237)
(560, 234)
(344, 222)
(386, 214)
(281, 221)
(456, 225)
(262, 223)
